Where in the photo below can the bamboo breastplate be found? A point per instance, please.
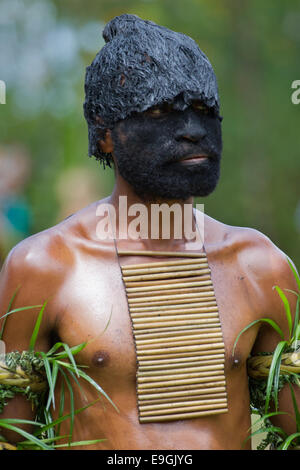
(178, 337)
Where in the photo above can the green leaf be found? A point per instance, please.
(297, 335)
(274, 429)
(81, 443)
(296, 321)
(20, 309)
(292, 291)
(25, 434)
(49, 378)
(296, 409)
(63, 354)
(267, 416)
(97, 386)
(276, 381)
(72, 407)
(54, 348)
(108, 321)
(48, 420)
(36, 328)
(286, 307)
(19, 421)
(63, 418)
(77, 382)
(91, 381)
(45, 441)
(51, 395)
(70, 356)
(61, 406)
(8, 309)
(272, 323)
(289, 440)
(296, 275)
(274, 370)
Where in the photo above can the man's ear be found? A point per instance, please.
(106, 144)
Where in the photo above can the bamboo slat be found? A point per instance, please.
(148, 277)
(170, 282)
(170, 355)
(217, 356)
(162, 264)
(177, 416)
(193, 307)
(183, 404)
(179, 366)
(182, 342)
(183, 393)
(178, 337)
(173, 378)
(195, 321)
(180, 388)
(166, 383)
(183, 370)
(182, 409)
(166, 298)
(175, 333)
(154, 293)
(147, 332)
(182, 337)
(190, 397)
(169, 254)
(175, 311)
(165, 269)
(175, 318)
(198, 347)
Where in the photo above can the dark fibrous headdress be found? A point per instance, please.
(142, 65)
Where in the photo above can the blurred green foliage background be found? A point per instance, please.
(254, 48)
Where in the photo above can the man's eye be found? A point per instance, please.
(156, 111)
(201, 107)
(159, 110)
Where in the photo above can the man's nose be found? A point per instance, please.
(191, 129)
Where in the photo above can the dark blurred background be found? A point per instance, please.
(45, 45)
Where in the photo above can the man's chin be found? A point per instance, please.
(177, 186)
(155, 196)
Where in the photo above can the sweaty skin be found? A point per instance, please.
(80, 276)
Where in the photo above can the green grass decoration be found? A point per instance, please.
(264, 390)
(36, 328)
(50, 366)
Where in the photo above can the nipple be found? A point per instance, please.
(100, 358)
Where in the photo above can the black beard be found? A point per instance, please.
(155, 178)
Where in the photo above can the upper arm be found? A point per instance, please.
(282, 276)
(21, 277)
(21, 280)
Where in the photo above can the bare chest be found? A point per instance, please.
(94, 308)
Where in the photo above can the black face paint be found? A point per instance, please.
(150, 149)
(142, 65)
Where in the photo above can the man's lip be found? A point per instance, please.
(194, 158)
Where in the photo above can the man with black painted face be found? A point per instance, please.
(181, 150)
(152, 109)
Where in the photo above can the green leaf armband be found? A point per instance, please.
(22, 373)
(259, 366)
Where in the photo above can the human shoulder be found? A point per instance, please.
(37, 268)
(38, 253)
(259, 255)
(249, 247)
(260, 263)
(49, 253)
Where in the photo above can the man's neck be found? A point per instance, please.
(166, 232)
